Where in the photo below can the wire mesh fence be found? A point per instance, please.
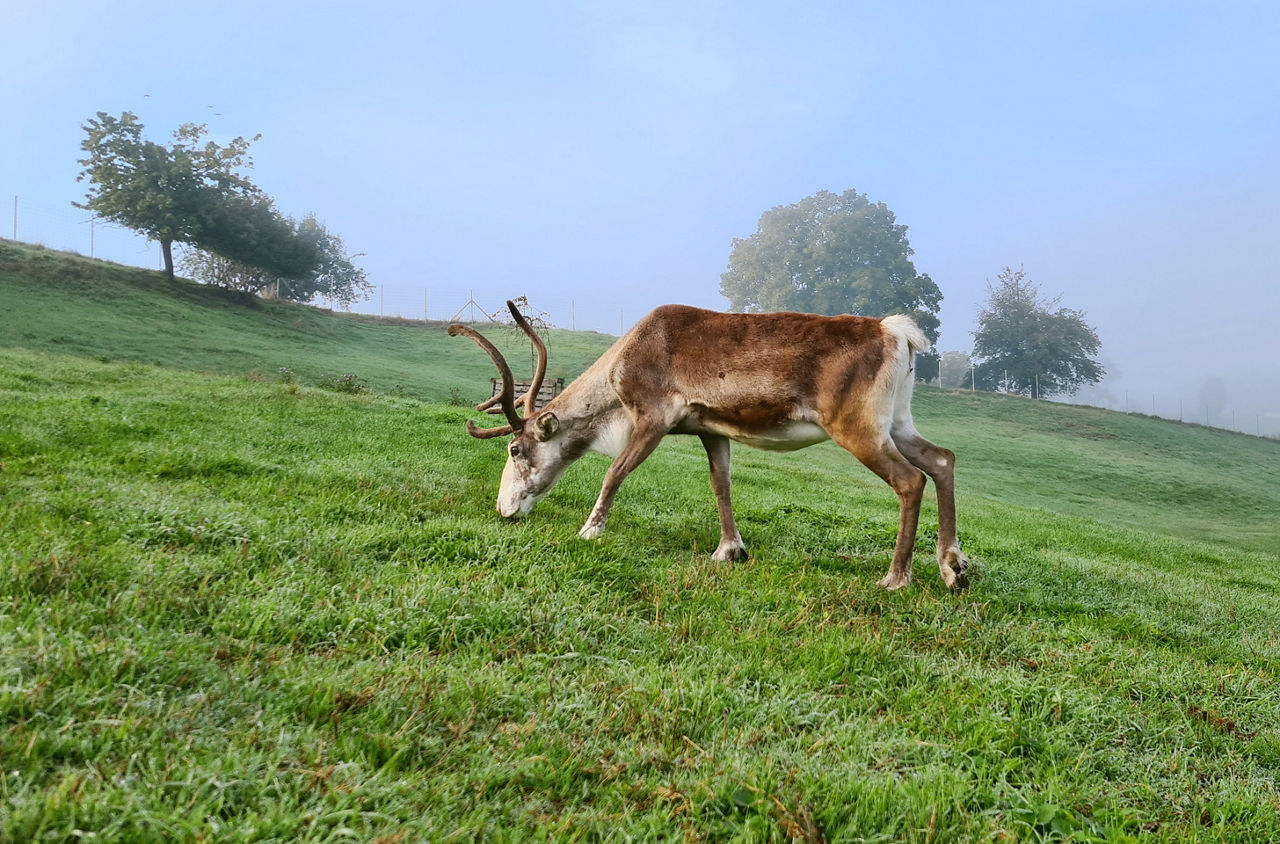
(72, 229)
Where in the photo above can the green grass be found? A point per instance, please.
(237, 609)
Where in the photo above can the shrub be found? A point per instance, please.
(342, 384)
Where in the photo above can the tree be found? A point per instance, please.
(539, 321)
(830, 254)
(954, 369)
(1031, 345)
(1213, 395)
(927, 364)
(249, 230)
(216, 271)
(336, 277)
(188, 192)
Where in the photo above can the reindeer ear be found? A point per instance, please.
(544, 426)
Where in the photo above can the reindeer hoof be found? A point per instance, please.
(894, 583)
(954, 566)
(730, 553)
(591, 530)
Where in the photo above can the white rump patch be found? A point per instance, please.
(906, 328)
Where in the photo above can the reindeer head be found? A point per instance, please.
(535, 456)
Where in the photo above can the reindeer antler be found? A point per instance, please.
(531, 397)
(506, 398)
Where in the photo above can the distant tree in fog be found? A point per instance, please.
(1213, 396)
(1028, 344)
(954, 369)
(830, 254)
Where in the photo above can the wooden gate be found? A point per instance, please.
(551, 387)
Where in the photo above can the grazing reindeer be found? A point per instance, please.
(776, 381)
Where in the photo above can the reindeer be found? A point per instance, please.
(775, 381)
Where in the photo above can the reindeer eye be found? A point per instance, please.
(515, 450)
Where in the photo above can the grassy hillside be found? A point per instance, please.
(66, 304)
(233, 608)
(1130, 469)
(1125, 469)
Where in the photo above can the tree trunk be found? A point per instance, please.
(166, 247)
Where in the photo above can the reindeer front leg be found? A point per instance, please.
(644, 439)
(731, 545)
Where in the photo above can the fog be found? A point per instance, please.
(601, 160)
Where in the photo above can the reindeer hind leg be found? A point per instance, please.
(878, 453)
(940, 464)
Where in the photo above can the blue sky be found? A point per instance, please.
(1127, 155)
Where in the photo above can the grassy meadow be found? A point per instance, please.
(237, 606)
(67, 304)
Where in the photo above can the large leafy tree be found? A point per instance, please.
(830, 254)
(1028, 344)
(190, 191)
(249, 230)
(336, 277)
